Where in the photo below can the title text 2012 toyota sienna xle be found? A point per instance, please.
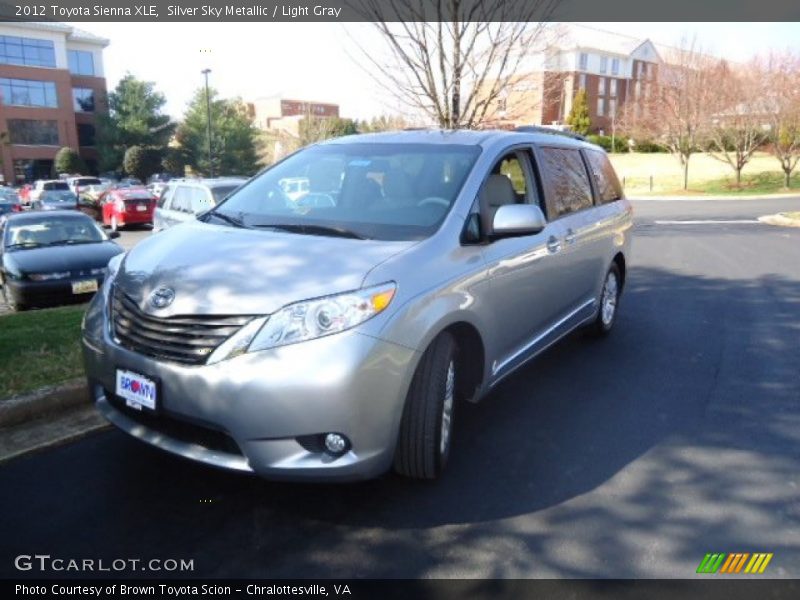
(331, 335)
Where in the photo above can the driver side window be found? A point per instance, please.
(510, 181)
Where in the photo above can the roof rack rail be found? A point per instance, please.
(550, 130)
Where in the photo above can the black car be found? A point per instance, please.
(56, 200)
(52, 257)
(9, 201)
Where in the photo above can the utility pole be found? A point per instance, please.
(208, 114)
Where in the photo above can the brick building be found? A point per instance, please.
(52, 85)
(614, 69)
(278, 114)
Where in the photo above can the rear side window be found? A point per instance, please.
(568, 182)
(182, 199)
(164, 197)
(608, 187)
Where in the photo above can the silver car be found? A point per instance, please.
(182, 200)
(331, 337)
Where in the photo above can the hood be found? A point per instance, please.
(55, 259)
(216, 269)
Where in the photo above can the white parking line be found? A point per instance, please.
(708, 222)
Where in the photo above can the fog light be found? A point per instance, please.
(336, 443)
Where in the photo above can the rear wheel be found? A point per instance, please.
(609, 300)
(423, 445)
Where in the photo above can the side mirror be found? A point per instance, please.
(113, 235)
(518, 219)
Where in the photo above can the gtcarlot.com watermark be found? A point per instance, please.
(45, 563)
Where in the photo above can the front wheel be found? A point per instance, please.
(609, 301)
(423, 445)
(8, 300)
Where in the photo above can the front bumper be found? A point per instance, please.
(261, 412)
(49, 293)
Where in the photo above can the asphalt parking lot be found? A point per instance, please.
(627, 457)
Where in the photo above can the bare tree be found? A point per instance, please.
(452, 60)
(682, 101)
(782, 104)
(738, 123)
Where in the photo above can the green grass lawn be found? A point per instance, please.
(39, 348)
(707, 175)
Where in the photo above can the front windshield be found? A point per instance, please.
(381, 191)
(30, 233)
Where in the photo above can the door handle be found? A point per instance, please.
(570, 237)
(553, 245)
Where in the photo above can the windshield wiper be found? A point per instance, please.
(71, 242)
(328, 230)
(24, 245)
(236, 222)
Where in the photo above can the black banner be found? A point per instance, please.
(584, 589)
(399, 10)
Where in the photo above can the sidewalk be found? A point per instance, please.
(45, 418)
(689, 198)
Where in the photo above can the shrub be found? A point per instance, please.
(604, 141)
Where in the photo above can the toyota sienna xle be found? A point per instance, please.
(331, 336)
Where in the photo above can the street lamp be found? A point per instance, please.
(208, 114)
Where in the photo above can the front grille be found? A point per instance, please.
(183, 431)
(183, 339)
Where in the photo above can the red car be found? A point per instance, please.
(128, 206)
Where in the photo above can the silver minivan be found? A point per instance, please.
(182, 200)
(332, 337)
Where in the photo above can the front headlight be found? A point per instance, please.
(307, 320)
(49, 276)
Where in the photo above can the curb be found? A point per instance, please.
(33, 405)
(779, 220)
(715, 197)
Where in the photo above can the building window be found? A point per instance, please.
(83, 99)
(80, 62)
(640, 69)
(603, 64)
(615, 66)
(583, 61)
(27, 51)
(31, 132)
(601, 107)
(612, 107)
(85, 134)
(612, 88)
(28, 92)
(582, 81)
(601, 86)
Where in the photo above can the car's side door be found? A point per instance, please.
(570, 203)
(525, 280)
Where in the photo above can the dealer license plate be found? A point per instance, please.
(137, 390)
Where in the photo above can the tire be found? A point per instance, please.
(609, 303)
(425, 438)
(6, 296)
